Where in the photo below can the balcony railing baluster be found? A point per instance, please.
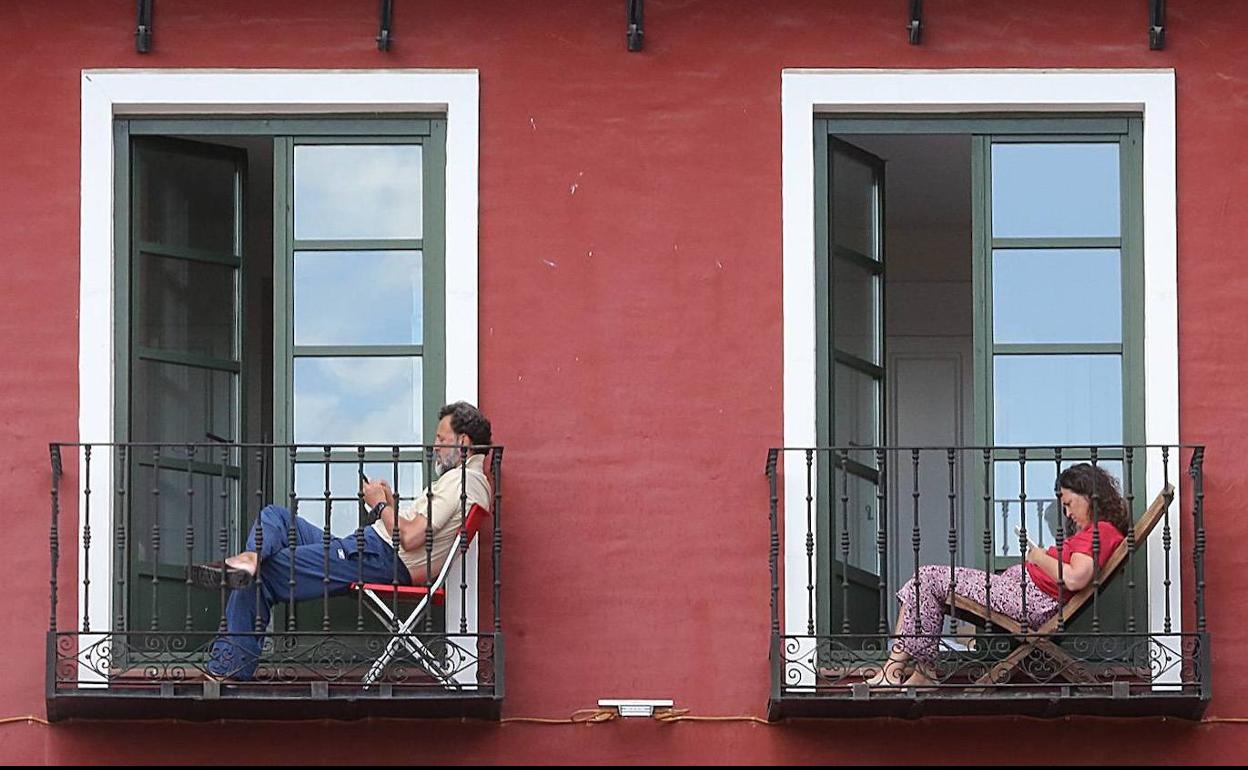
(155, 620)
(1165, 538)
(810, 545)
(189, 531)
(1082, 657)
(1129, 489)
(86, 537)
(190, 508)
(360, 523)
(121, 534)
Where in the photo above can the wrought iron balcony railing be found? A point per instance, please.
(851, 526)
(131, 521)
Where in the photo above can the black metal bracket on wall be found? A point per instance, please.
(387, 21)
(143, 27)
(1157, 24)
(636, 31)
(915, 26)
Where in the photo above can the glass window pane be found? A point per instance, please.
(1055, 190)
(1057, 400)
(178, 403)
(1043, 513)
(358, 297)
(358, 191)
(185, 200)
(862, 507)
(855, 301)
(344, 482)
(186, 306)
(175, 508)
(856, 406)
(853, 205)
(1045, 295)
(360, 400)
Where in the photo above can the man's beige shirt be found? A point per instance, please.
(448, 511)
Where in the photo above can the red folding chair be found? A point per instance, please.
(382, 596)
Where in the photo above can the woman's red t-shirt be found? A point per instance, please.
(1080, 542)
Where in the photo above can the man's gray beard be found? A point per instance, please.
(442, 466)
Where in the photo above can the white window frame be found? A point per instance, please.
(108, 94)
(806, 93)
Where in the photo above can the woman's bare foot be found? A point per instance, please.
(245, 561)
(892, 673)
(920, 679)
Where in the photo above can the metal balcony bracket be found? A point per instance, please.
(143, 27)
(636, 18)
(915, 25)
(387, 22)
(1156, 24)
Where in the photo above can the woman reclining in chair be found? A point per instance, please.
(917, 635)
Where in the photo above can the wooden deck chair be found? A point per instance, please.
(380, 597)
(1040, 639)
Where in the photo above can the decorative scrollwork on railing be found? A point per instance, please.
(441, 657)
(997, 663)
(426, 661)
(485, 660)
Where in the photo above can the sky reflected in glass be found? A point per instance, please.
(358, 298)
(344, 482)
(359, 400)
(1057, 400)
(1049, 295)
(1055, 190)
(358, 191)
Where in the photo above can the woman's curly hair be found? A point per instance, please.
(1102, 491)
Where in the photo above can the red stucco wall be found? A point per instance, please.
(630, 344)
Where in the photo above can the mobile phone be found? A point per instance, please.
(1018, 532)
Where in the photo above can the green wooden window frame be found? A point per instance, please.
(1128, 137)
(286, 133)
(128, 352)
(1124, 129)
(827, 357)
(433, 249)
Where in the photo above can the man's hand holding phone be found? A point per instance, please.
(377, 492)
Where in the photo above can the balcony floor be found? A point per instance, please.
(306, 676)
(1051, 702)
(201, 701)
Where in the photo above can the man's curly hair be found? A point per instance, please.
(467, 420)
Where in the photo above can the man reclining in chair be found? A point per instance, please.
(917, 639)
(234, 655)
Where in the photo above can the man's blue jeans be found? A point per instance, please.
(236, 653)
